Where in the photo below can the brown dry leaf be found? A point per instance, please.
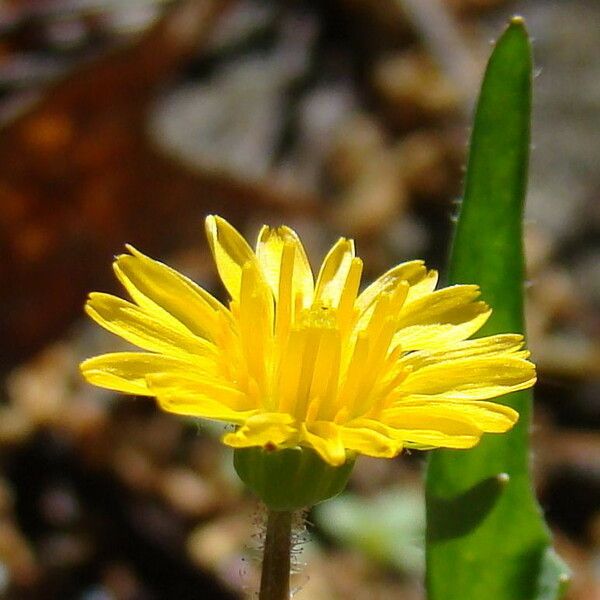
(78, 178)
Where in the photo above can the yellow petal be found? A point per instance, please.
(490, 345)
(366, 437)
(201, 384)
(127, 371)
(289, 378)
(423, 287)
(256, 323)
(267, 429)
(490, 417)
(411, 272)
(352, 375)
(230, 251)
(325, 377)
(346, 307)
(428, 440)
(269, 250)
(392, 301)
(202, 407)
(334, 273)
(441, 318)
(373, 364)
(425, 428)
(454, 304)
(475, 378)
(419, 420)
(162, 290)
(145, 329)
(195, 395)
(325, 438)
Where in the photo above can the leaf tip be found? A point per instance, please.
(503, 479)
(517, 25)
(564, 578)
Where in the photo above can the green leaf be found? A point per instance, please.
(486, 537)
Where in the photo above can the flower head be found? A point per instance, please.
(293, 361)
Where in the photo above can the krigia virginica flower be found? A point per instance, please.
(297, 362)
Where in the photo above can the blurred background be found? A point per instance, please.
(129, 121)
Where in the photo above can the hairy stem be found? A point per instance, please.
(275, 578)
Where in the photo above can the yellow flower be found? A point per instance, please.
(297, 362)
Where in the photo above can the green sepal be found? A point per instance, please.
(292, 478)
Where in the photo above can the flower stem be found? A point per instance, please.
(275, 578)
